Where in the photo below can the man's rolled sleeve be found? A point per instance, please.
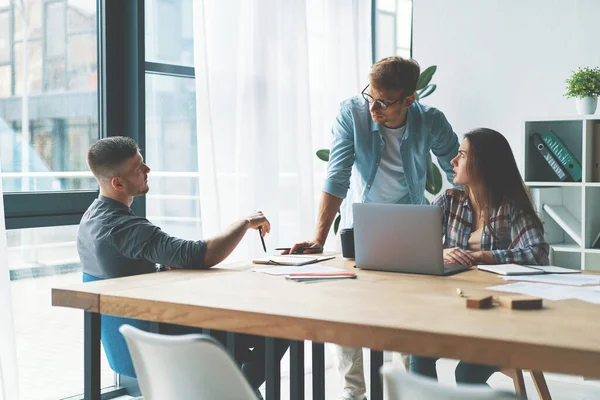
(341, 155)
(140, 239)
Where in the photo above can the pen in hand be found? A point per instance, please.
(261, 238)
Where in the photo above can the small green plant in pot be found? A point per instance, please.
(584, 86)
(433, 184)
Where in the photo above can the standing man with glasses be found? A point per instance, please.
(378, 155)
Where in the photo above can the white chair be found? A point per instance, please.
(186, 367)
(400, 385)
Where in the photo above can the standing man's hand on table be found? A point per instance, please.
(328, 208)
(308, 247)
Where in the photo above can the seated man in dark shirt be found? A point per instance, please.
(113, 242)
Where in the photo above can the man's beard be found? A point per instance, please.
(144, 190)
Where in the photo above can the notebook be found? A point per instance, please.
(291, 259)
(320, 277)
(515, 269)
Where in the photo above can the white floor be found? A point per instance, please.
(562, 387)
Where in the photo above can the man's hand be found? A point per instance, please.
(456, 255)
(305, 248)
(256, 220)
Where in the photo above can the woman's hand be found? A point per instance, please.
(482, 257)
(456, 255)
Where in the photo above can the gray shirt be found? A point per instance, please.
(112, 242)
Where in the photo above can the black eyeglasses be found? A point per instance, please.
(380, 103)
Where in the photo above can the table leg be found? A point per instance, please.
(318, 370)
(91, 344)
(230, 341)
(272, 370)
(297, 370)
(376, 384)
(158, 327)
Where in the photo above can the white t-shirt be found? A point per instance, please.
(389, 185)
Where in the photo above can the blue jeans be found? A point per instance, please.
(470, 373)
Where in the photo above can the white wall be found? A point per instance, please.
(501, 61)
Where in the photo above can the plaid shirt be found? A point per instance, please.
(519, 240)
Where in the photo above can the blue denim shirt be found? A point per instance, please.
(357, 146)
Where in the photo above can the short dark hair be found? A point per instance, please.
(107, 155)
(395, 73)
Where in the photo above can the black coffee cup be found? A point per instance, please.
(347, 237)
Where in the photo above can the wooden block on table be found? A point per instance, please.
(480, 302)
(520, 302)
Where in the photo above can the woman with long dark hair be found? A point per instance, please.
(491, 221)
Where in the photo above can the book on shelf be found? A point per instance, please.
(547, 155)
(563, 155)
(596, 154)
(566, 220)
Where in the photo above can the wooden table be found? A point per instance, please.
(382, 311)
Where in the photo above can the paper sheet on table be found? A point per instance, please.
(557, 279)
(304, 269)
(552, 292)
(543, 290)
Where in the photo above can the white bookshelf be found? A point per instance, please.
(580, 199)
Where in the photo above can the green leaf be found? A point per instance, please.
(433, 183)
(425, 77)
(323, 154)
(336, 223)
(427, 90)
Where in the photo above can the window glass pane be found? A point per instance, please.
(82, 62)
(5, 81)
(82, 15)
(44, 143)
(28, 19)
(49, 339)
(386, 35)
(169, 31)
(404, 23)
(31, 72)
(55, 30)
(394, 25)
(56, 74)
(4, 37)
(387, 5)
(173, 201)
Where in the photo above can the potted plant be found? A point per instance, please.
(434, 182)
(584, 85)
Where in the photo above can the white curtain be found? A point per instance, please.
(9, 385)
(270, 75)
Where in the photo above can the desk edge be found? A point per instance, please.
(76, 299)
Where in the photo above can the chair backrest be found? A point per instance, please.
(402, 386)
(186, 367)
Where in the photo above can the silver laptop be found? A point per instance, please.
(400, 238)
